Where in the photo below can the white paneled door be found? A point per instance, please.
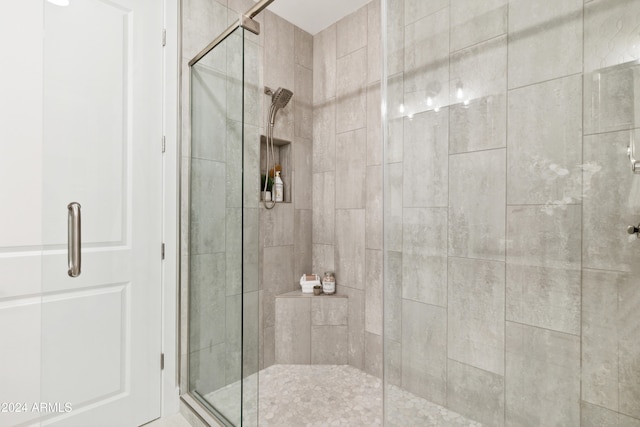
(81, 121)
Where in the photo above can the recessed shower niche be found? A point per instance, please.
(282, 154)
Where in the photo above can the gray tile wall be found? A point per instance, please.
(510, 292)
(286, 230)
(347, 174)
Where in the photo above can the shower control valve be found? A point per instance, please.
(632, 229)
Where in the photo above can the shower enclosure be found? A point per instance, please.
(483, 229)
(220, 261)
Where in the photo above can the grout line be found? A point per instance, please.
(506, 223)
(566, 76)
(580, 390)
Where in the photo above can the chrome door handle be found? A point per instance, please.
(74, 241)
(632, 229)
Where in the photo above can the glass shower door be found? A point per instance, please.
(215, 230)
(511, 282)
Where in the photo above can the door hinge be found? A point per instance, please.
(164, 37)
(164, 143)
(161, 361)
(162, 250)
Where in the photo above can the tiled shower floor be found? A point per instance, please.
(332, 395)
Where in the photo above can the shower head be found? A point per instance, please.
(279, 100)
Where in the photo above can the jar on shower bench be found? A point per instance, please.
(329, 283)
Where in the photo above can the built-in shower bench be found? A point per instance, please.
(311, 329)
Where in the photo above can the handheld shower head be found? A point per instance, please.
(279, 100)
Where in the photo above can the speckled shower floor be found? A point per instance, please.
(332, 395)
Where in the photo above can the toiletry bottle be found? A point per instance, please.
(278, 186)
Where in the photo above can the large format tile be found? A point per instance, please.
(373, 354)
(542, 377)
(475, 393)
(251, 167)
(610, 203)
(476, 204)
(425, 160)
(424, 260)
(476, 21)
(479, 70)
(323, 258)
(324, 137)
(610, 33)
(323, 207)
(424, 350)
(392, 307)
(600, 364)
(477, 92)
(350, 247)
(352, 32)
(351, 159)
(293, 330)
(329, 345)
(279, 47)
(252, 65)
(544, 296)
(426, 61)
(275, 225)
(374, 212)
(251, 250)
(374, 125)
(207, 296)
(252, 327)
(629, 346)
(233, 251)
(480, 125)
(324, 65)
(303, 44)
(208, 113)
(207, 207)
(476, 314)
(373, 291)
(278, 277)
(393, 143)
(392, 206)
(303, 174)
(542, 238)
(545, 40)
(303, 102)
(303, 224)
(395, 36)
(374, 41)
(233, 328)
(393, 362)
(545, 143)
(329, 311)
(233, 168)
(351, 93)
(356, 334)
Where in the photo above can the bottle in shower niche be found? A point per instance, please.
(278, 187)
(329, 283)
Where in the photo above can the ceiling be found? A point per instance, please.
(314, 16)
